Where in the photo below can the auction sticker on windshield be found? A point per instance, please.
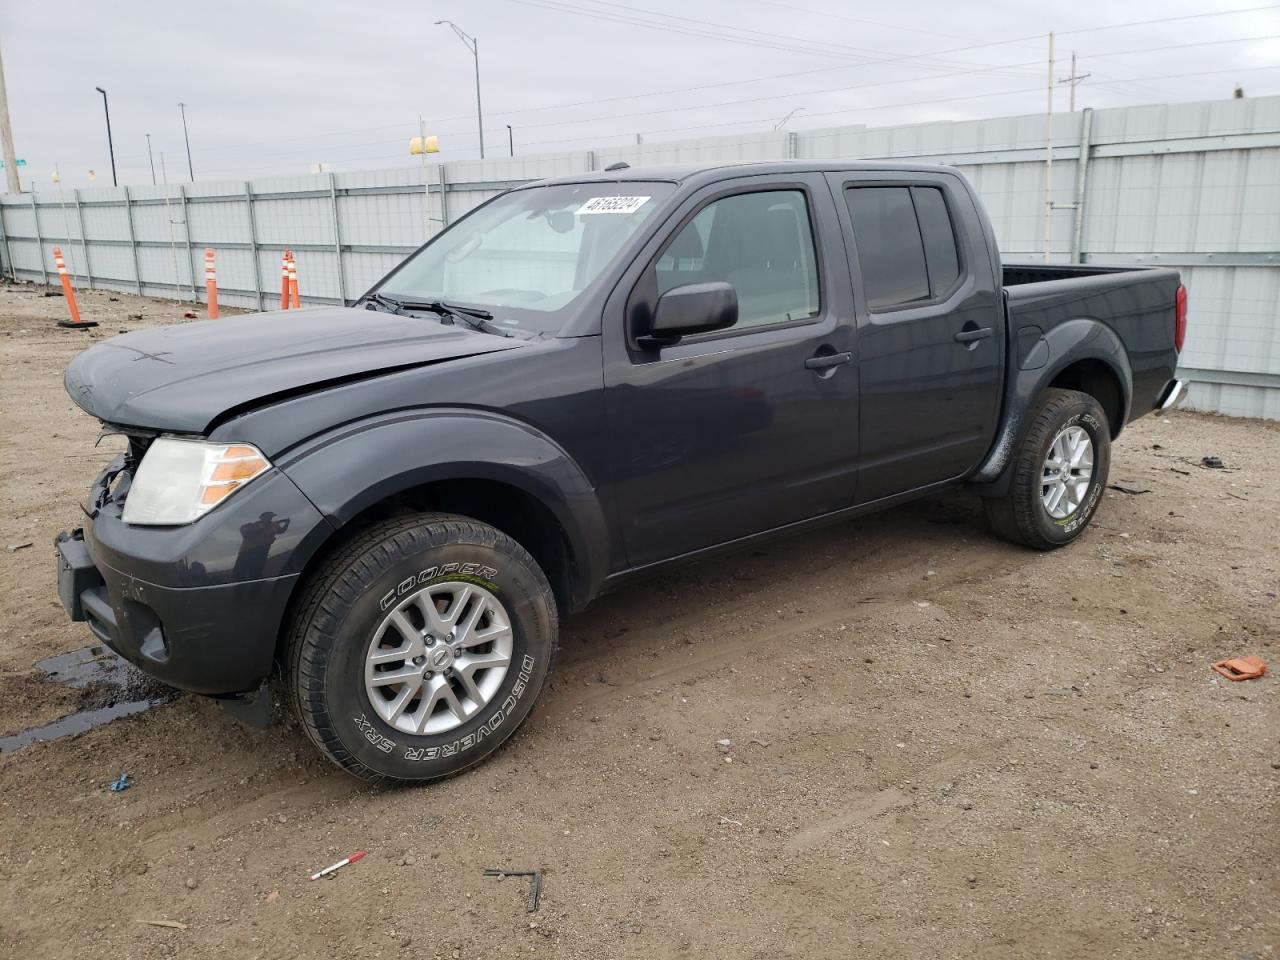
(612, 205)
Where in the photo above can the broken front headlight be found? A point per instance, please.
(179, 481)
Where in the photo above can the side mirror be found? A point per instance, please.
(692, 308)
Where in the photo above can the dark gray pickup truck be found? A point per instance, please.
(391, 505)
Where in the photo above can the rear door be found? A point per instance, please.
(731, 433)
(930, 349)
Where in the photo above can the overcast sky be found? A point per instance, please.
(273, 88)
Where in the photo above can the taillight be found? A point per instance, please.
(1180, 318)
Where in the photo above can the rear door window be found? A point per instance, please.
(906, 244)
(940, 251)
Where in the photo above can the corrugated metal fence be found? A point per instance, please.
(1194, 186)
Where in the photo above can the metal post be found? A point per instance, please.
(133, 242)
(475, 50)
(66, 219)
(8, 254)
(591, 160)
(337, 237)
(1048, 159)
(253, 243)
(35, 215)
(444, 198)
(187, 140)
(426, 190)
(84, 241)
(152, 160)
(792, 144)
(110, 146)
(186, 231)
(1082, 169)
(511, 142)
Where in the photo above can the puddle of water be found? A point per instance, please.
(116, 689)
(75, 723)
(79, 668)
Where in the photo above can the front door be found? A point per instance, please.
(731, 433)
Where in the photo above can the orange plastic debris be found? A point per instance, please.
(1241, 668)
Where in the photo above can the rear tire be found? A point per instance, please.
(420, 647)
(1051, 499)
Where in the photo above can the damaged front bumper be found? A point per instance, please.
(198, 606)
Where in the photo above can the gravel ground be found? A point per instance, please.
(896, 737)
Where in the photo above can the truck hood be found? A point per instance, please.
(183, 378)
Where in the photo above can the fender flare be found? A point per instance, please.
(1039, 363)
(353, 467)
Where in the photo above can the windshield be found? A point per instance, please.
(527, 255)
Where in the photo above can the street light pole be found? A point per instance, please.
(151, 159)
(474, 46)
(110, 147)
(190, 172)
(511, 141)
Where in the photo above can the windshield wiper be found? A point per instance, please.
(391, 303)
(450, 313)
(474, 318)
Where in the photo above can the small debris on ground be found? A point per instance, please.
(535, 890)
(52, 293)
(1132, 491)
(1213, 463)
(171, 924)
(358, 855)
(1241, 668)
(122, 782)
(15, 547)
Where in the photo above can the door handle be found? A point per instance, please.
(824, 361)
(971, 334)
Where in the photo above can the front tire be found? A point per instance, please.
(420, 647)
(1059, 473)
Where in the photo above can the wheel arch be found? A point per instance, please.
(526, 486)
(1079, 354)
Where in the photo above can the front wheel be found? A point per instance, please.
(420, 647)
(1059, 473)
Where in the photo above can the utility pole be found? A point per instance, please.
(110, 146)
(6, 136)
(190, 172)
(1073, 81)
(152, 159)
(1048, 157)
(472, 44)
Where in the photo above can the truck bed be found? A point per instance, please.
(1136, 304)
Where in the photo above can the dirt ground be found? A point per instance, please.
(939, 745)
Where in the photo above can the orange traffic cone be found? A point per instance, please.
(69, 292)
(211, 283)
(293, 282)
(284, 279)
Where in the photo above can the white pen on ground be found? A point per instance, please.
(339, 865)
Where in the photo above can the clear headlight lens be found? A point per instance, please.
(179, 481)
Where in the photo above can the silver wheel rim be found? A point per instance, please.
(438, 658)
(1067, 472)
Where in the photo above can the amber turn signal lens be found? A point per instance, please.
(245, 469)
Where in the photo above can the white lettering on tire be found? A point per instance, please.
(485, 729)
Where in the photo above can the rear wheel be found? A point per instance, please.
(1059, 473)
(420, 647)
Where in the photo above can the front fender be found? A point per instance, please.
(1040, 359)
(360, 464)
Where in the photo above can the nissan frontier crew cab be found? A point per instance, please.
(391, 505)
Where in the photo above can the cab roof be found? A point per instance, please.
(711, 172)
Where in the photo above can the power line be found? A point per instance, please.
(745, 81)
(887, 106)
